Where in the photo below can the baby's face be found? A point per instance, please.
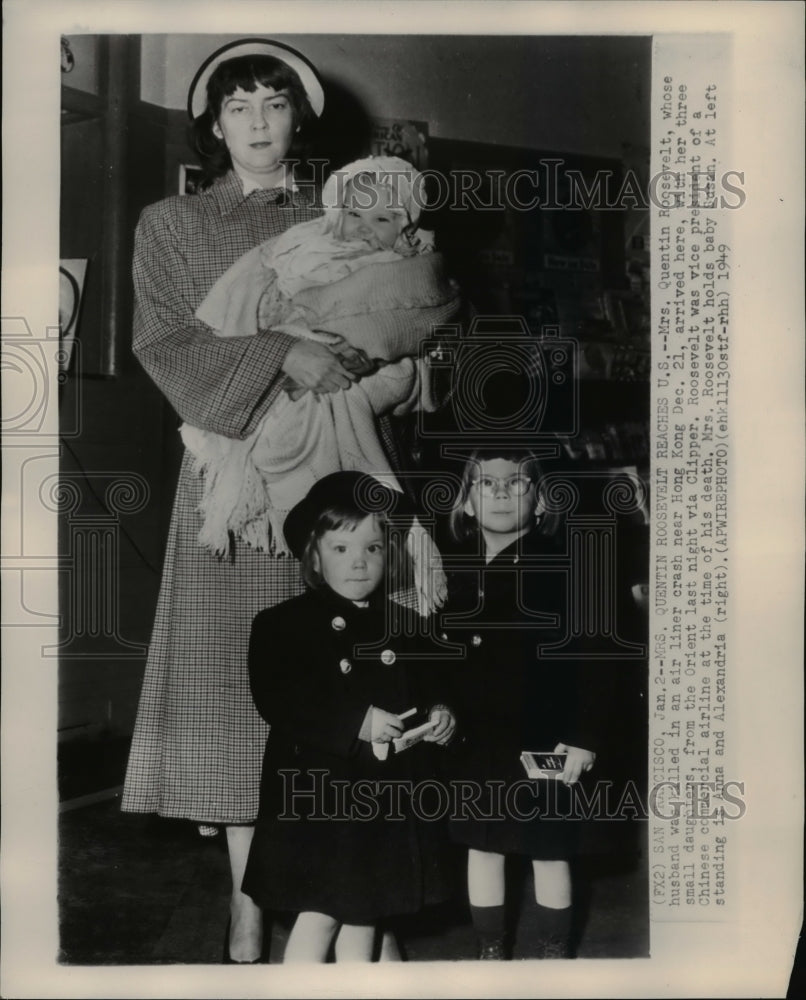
(370, 214)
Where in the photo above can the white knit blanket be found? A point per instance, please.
(251, 484)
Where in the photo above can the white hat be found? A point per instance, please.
(197, 95)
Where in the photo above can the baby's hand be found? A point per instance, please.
(443, 732)
(577, 761)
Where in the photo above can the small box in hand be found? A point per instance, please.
(543, 765)
(417, 725)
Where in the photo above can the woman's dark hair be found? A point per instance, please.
(338, 517)
(248, 72)
(460, 524)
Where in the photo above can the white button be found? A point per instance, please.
(481, 594)
(516, 559)
(388, 657)
(345, 666)
(443, 636)
(338, 623)
(476, 640)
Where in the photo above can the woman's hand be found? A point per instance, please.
(443, 732)
(577, 761)
(313, 366)
(353, 358)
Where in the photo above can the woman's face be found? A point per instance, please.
(494, 499)
(352, 561)
(257, 127)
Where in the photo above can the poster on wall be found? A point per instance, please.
(403, 138)
(190, 175)
(72, 274)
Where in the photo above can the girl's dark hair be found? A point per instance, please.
(338, 517)
(460, 524)
(248, 72)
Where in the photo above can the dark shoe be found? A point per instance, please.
(265, 948)
(492, 951)
(227, 959)
(553, 948)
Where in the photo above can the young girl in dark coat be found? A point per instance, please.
(504, 605)
(332, 671)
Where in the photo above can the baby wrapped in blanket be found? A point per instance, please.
(362, 274)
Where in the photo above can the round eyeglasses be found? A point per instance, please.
(515, 486)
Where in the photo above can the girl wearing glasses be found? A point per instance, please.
(505, 606)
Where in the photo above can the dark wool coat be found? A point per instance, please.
(512, 696)
(320, 844)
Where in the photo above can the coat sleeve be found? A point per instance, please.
(220, 385)
(302, 702)
(432, 678)
(580, 692)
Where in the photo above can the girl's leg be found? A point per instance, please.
(310, 938)
(246, 918)
(390, 949)
(485, 878)
(553, 897)
(355, 943)
(485, 888)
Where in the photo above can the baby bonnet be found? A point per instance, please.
(406, 182)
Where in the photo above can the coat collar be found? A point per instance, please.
(534, 542)
(228, 193)
(337, 605)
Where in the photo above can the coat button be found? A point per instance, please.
(388, 657)
(443, 636)
(516, 559)
(338, 623)
(476, 640)
(481, 594)
(345, 666)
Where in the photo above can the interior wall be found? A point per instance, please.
(581, 94)
(578, 95)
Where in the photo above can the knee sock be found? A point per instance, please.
(554, 927)
(488, 922)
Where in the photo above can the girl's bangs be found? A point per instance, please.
(343, 518)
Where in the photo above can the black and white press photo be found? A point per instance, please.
(377, 523)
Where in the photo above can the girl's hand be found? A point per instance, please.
(384, 726)
(443, 732)
(577, 761)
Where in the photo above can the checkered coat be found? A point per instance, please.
(198, 740)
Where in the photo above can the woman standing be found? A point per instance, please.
(198, 739)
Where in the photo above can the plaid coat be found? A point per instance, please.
(198, 739)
